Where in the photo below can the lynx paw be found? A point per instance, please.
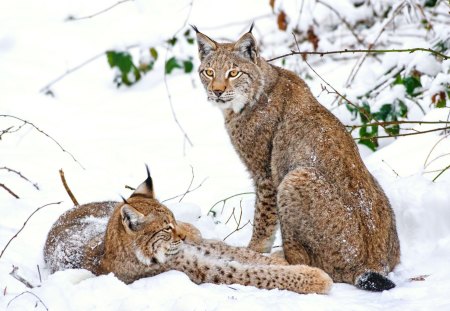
(191, 232)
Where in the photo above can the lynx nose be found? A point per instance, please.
(218, 92)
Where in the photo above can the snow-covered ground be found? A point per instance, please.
(112, 133)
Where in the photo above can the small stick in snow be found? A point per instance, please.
(9, 190)
(419, 278)
(39, 273)
(69, 192)
(24, 224)
(27, 292)
(14, 274)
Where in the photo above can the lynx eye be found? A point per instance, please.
(209, 73)
(169, 228)
(234, 73)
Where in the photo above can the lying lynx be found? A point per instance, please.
(142, 238)
(308, 174)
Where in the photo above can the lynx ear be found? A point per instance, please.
(146, 188)
(246, 47)
(206, 45)
(131, 218)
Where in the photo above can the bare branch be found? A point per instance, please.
(359, 63)
(35, 185)
(24, 224)
(44, 133)
(31, 293)
(9, 190)
(66, 186)
(169, 96)
(189, 190)
(442, 172)
(19, 278)
(412, 50)
(225, 200)
(405, 134)
(72, 18)
(347, 24)
(238, 222)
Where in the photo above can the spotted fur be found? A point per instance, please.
(307, 171)
(142, 239)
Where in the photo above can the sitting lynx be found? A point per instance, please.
(308, 174)
(140, 238)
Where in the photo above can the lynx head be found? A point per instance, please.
(148, 226)
(230, 72)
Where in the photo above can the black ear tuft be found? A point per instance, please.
(149, 180)
(195, 28)
(206, 45)
(124, 200)
(251, 27)
(246, 47)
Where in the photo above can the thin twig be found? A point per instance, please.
(35, 185)
(9, 190)
(190, 184)
(169, 96)
(347, 24)
(425, 165)
(359, 63)
(238, 222)
(66, 186)
(412, 50)
(19, 278)
(434, 179)
(71, 18)
(45, 134)
(24, 224)
(187, 192)
(390, 167)
(225, 200)
(387, 123)
(31, 293)
(39, 273)
(405, 134)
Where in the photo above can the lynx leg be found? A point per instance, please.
(315, 225)
(265, 220)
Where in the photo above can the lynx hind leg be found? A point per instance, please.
(313, 225)
(265, 221)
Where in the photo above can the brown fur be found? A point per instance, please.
(143, 239)
(306, 168)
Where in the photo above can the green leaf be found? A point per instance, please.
(188, 66)
(187, 32)
(403, 113)
(441, 103)
(171, 64)
(392, 129)
(385, 111)
(154, 53)
(172, 41)
(364, 113)
(190, 40)
(367, 136)
(411, 83)
(430, 3)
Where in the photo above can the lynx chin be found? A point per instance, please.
(308, 175)
(140, 238)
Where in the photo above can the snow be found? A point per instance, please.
(113, 132)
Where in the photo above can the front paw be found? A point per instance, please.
(259, 246)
